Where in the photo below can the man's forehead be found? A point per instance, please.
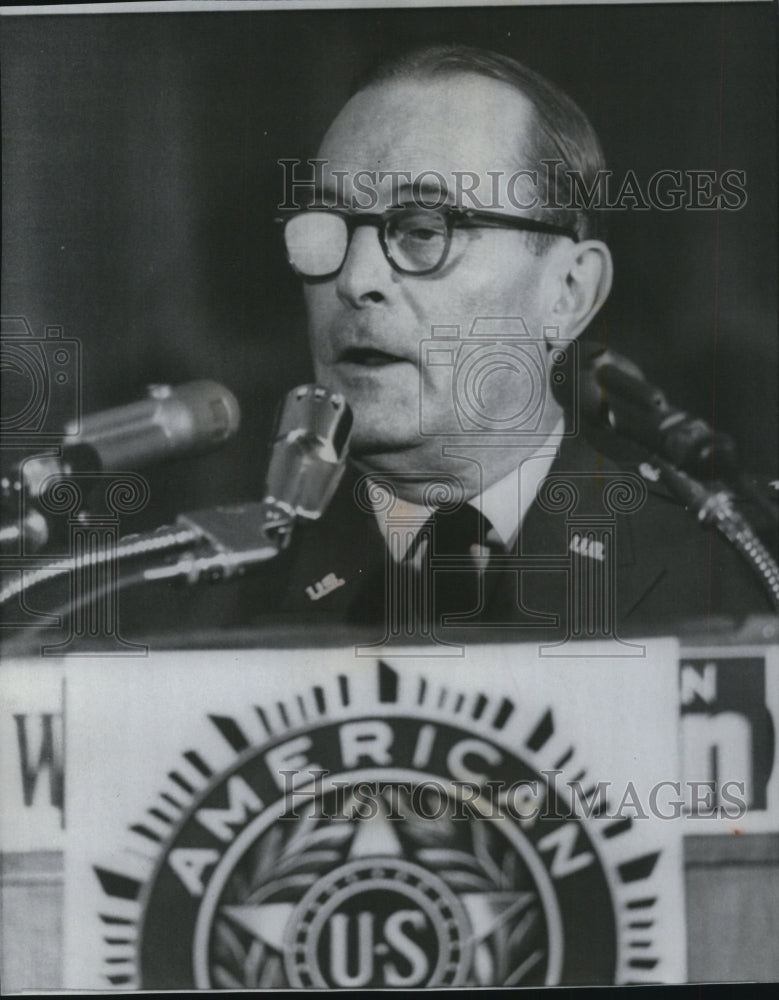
(453, 123)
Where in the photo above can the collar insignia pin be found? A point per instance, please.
(325, 586)
(592, 548)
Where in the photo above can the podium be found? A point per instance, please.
(269, 809)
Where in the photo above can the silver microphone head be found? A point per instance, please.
(309, 449)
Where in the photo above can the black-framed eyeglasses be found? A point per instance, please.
(415, 240)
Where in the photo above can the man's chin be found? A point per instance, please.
(382, 426)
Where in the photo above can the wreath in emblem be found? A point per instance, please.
(381, 886)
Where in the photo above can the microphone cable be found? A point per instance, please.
(160, 541)
(717, 508)
(307, 460)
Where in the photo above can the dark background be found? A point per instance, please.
(140, 177)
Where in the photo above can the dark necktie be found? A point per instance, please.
(457, 546)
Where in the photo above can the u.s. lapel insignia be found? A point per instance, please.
(325, 586)
(592, 548)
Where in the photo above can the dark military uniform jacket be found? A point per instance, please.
(603, 552)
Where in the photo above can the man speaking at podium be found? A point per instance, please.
(449, 264)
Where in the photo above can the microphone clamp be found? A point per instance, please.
(238, 536)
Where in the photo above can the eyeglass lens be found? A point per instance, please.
(317, 242)
(417, 240)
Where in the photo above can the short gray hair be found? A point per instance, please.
(562, 131)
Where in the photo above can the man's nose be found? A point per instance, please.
(366, 277)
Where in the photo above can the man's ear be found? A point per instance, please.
(581, 282)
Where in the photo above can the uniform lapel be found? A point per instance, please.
(638, 565)
(337, 567)
(335, 561)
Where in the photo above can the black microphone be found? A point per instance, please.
(613, 389)
(173, 422)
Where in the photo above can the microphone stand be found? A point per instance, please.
(621, 404)
(235, 538)
(716, 507)
(308, 457)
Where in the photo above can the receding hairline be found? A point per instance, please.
(423, 74)
(524, 101)
(435, 61)
(557, 127)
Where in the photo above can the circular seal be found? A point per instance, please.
(409, 900)
(361, 871)
(389, 882)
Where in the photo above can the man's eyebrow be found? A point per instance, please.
(328, 194)
(431, 192)
(425, 193)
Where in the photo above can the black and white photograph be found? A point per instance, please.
(390, 499)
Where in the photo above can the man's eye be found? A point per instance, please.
(421, 234)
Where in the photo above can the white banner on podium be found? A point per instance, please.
(308, 819)
(31, 757)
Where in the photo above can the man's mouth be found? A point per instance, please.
(370, 357)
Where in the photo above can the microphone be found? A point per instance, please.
(173, 422)
(614, 389)
(308, 457)
(308, 451)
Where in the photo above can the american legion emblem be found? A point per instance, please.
(384, 825)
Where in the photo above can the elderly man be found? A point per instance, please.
(448, 269)
(450, 260)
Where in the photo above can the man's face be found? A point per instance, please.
(367, 323)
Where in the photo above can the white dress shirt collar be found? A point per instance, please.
(504, 503)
